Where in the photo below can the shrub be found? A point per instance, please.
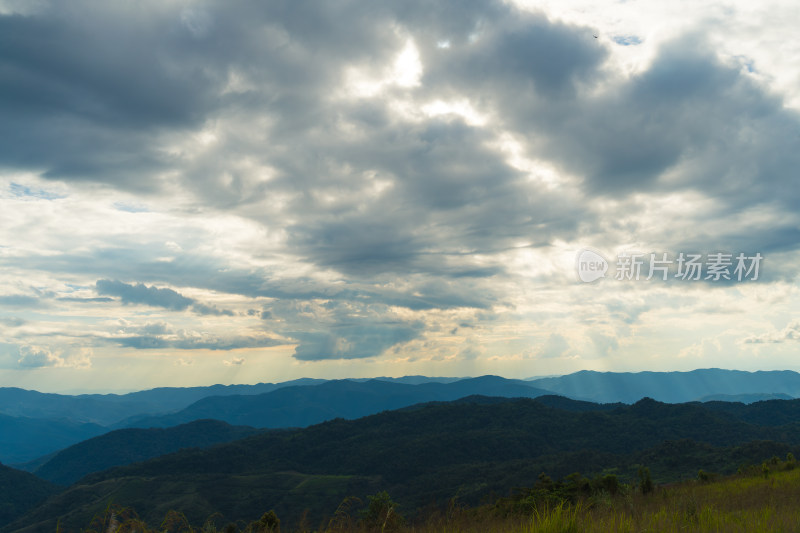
(381, 514)
(645, 481)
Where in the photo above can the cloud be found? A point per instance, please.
(361, 190)
(604, 344)
(196, 342)
(343, 330)
(351, 341)
(36, 357)
(236, 361)
(202, 309)
(161, 335)
(19, 301)
(142, 294)
(13, 321)
(155, 297)
(31, 357)
(555, 346)
(75, 299)
(791, 333)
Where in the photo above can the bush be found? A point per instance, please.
(645, 481)
(268, 523)
(381, 514)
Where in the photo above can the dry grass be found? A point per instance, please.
(747, 503)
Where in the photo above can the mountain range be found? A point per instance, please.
(671, 387)
(429, 453)
(34, 425)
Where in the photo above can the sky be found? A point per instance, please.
(199, 192)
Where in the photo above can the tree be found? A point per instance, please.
(268, 523)
(381, 514)
(645, 481)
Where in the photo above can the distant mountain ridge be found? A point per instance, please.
(746, 398)
(309, 401)
(304, 406)
(670, 387)
(106, 409)
(24, 439)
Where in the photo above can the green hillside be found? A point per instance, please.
(127, 446)
(20, 492)
(422, 456)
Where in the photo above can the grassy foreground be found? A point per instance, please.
(763, 499)
(738, 504)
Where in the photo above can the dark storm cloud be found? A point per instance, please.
(523, 55)
(85, 87)
(153, 296)
(450, 197)
(88, 89)
(142, 294)
(687, 109)
(724, 133)
(450, 192)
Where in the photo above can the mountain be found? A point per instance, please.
(412, 380)
(673, 387)
(20, 492)
(423, 455)
(24, 439)
(767, 413)
(106, 409)
(745, 398)
(125, 446)
(303, 406)
(303, 403)
(131, 410)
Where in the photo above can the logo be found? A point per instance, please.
(590, 265)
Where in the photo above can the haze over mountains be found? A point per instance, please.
(36, 424)
(671, 387)
(303, 406)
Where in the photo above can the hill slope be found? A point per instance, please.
(421, 455)
(21, 492)
(125, 446)
(24, 439)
